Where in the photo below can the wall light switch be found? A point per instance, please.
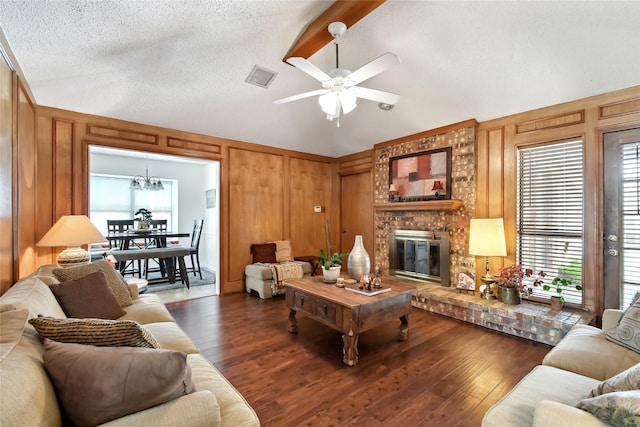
(317, 209)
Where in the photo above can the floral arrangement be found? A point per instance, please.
(511, 277)
(144, 218)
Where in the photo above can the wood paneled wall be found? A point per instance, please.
(7, 169)
(497, 143)
(266, 193)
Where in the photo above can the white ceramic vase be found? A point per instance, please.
(358, 263)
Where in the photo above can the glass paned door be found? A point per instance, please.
(621, 217)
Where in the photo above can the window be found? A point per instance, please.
(630, 221)
(549, 213)
(111, 198)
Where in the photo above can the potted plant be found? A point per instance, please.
(510, 286)
(331, 266)
(558, 284)
(143, 216)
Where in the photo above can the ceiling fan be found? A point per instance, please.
(339, 86)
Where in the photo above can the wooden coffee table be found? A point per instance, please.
(349, 312)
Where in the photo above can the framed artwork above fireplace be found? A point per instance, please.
(420, 176)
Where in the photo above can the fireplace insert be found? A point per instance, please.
(420, 254)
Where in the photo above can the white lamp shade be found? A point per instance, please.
(72, 231)
(486, 237)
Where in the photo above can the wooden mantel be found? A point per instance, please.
(429, 205)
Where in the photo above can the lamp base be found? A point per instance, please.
(488, 280)
(72, 256)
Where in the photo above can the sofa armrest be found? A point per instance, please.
(610, 319)
(553, 414)
(196, 409)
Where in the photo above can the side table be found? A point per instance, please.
(311, 259)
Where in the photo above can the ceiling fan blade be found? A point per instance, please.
(300, 96)
(378, 65)
(307, 67)
(376, 95)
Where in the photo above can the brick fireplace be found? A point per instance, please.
(453, 222)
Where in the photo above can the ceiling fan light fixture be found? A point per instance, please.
(348, 100)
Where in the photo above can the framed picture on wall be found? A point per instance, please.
(420, 176)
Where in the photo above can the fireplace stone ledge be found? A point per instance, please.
(528, 320)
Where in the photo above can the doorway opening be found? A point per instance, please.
(191, 192)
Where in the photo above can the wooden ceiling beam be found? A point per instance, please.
(315, 36)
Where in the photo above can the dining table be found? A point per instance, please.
(144, 239)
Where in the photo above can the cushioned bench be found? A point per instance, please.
(166, 254)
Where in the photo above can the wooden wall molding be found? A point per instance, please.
(121, 134)
(619, 108)
(199, 146)
(560, 120)
(356, 163)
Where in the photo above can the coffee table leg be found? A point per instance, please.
(350, 349)
(404, 328)
(293, 322)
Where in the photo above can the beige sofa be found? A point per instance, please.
(29, 398)
(548, 395)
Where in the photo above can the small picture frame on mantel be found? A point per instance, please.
(420, 176)
(466, 281)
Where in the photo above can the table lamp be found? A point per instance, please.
(72, 231)
(486, 238)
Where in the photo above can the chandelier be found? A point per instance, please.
(151, 183)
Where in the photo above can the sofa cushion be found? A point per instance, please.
(148, 309)
(171, 337)
(99, 384)
(283, 251)
(585, 350)
(117, 284)
(264, 252)
(88, 296)
(627, 333)
(31, 294)
(99, 332)
(542, 383)
(620, 408)
(234, 409)
(28, 397)
(625, 380)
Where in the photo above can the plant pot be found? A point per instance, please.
(331, 275)
(556, 304)
(509, 295)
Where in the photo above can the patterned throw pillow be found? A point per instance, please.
(624, 381)
(264, 252)
(88, 297)
(627, 333)
(98, 332)
(99, 384)
(117, 284)
(621, 408)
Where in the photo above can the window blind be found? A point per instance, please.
(630, 255)
(550, 187)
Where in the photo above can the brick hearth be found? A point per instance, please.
(529, 320)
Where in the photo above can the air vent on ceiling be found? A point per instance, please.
(261, 77)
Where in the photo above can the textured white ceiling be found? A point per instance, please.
(182, 64)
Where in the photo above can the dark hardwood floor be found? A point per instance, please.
(447, 374)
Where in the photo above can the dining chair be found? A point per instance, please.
(194, 250)
(160, 225)
(121, 226)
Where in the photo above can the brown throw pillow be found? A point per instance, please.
(99, 384)
(108, 333)
(264, 252)
(117, 284)
(88, 296)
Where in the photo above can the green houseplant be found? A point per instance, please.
(558, 284)
(331, 265)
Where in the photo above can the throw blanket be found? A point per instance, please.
(284, 271)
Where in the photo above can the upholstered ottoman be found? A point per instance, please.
(259, 278)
